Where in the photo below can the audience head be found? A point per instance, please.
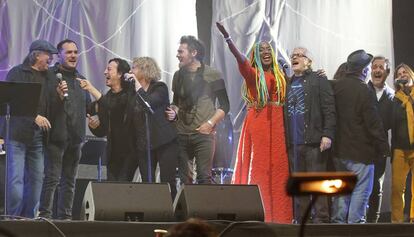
(192, 228)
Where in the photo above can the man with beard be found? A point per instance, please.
(196, 87)
(380, 69)
(67, 117)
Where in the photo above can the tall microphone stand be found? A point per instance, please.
(7, 139)
(147, 110)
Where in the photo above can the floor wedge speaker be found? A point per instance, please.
(113, 201)
(219, 202)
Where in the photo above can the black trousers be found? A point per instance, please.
(374, 204)
(167, 158)
(308, 158)
(122, 167)
(61, 167)
(198, 146)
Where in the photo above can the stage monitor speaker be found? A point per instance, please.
(219, 202)
(114, 201)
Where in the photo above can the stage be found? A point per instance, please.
(37, 228)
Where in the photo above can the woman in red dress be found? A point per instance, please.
(262, 157)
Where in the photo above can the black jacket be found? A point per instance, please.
(384, 105)
(360, 133)
(162, 131)
(400, 138)
(67, 117)
(22, 128)
(116, 116)
(319, 109)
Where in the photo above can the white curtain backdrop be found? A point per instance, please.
(330, 29)
(103, 29)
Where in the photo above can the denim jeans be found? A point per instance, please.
(61, 166)
(308, 158)
(198, 146)
(25, 176)
(352, 208)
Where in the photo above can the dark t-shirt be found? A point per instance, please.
(296, 110)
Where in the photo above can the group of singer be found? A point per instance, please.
(296, 123)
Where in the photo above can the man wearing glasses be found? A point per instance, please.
(310, 121)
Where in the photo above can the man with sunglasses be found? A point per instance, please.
(310, 121)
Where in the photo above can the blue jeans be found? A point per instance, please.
(352, 208)
(61, 167)
(25, 176)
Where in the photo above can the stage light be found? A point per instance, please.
(327, 183)
(319, 183)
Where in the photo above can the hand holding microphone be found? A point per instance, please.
(62, 88)
(401, 81)
(130, 77)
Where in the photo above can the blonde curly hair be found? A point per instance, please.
(148, 67)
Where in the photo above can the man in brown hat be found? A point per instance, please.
(360, 134)
(25, 162)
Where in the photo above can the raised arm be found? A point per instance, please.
(239, 56)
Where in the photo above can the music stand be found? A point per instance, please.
(19, 99)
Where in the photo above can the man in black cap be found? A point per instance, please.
(359, 138)
(25, 163)
(67, 108)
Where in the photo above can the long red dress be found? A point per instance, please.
(261, 155)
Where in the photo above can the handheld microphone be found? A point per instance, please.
(283, 63)
(59, 77)
(128, 78)
(401, 81)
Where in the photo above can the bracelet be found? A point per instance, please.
(176, 116)
(227, 39)
(211, 123)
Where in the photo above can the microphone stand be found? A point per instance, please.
(6, 165)
(147, 110)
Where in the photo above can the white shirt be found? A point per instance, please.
(379, 92)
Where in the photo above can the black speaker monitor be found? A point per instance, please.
(113, 201)
(219, 202)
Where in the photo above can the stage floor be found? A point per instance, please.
(37, 228)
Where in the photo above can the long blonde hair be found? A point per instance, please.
(407, 68)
